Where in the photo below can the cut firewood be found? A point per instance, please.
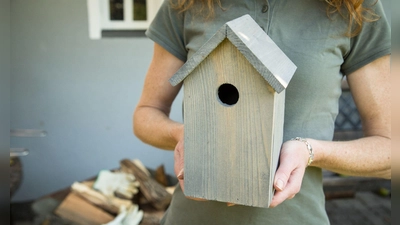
(152, 218)
(154, 192)
(108, 203)
(143, 200)
(160, 176)
(130, 216)
(151, 215)
(88, 183)
(139, 164)
(81, 211)
(170, 189)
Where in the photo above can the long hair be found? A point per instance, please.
(355, 13)
(353, 10)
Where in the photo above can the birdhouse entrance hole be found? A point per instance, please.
(228, 94)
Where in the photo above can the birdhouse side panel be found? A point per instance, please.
(228, 147)
(277, 131)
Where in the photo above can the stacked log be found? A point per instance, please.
(87, 205)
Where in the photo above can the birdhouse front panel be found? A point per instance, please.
(229, 113)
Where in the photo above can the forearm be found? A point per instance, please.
(155, 128)
(369, 156)
(151, 122)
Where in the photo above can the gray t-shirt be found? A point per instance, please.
(323, 55)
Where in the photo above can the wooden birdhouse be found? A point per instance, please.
(234, 96)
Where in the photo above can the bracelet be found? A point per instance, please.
(310, 150)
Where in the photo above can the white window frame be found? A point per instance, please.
(99, 19)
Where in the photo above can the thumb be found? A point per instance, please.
(281, 177)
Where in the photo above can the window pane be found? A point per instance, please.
(139, 10)
(116, 9)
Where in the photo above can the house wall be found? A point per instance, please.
(82, 92)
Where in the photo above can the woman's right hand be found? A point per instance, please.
(179, 165)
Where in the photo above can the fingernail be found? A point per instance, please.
(180, 175)
(279, 184)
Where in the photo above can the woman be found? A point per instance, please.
(326, 40)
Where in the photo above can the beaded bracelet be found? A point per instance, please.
(310, 150)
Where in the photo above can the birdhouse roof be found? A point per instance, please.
(255, 45)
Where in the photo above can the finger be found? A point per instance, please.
(292, 188)
(282, 176)
(289, 164)
(230, 204)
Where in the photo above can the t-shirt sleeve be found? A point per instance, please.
(167, 30)
(373, 42)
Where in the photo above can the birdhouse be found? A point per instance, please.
(234, 97)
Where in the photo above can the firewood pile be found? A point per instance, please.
(129, 195)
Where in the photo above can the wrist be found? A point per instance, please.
(176, 132)
(308, 147)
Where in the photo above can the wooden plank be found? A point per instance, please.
(347, 135)
(160, 176)
(354, 183)
(199, 56)
(109, 203)
(261, 51)
(336, 186)
(228, 149)
(365, 208)
(82, 212)
(347, 214)
(154, 192)
(277, 134)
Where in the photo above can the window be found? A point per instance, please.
(120, 15)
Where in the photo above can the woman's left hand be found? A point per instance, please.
(290, 173)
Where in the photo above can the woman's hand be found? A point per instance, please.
(288, 178)
(179, 165)
(289, 175)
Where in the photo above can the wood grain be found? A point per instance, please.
(254, 44)
(82, 212)
(261, 51)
